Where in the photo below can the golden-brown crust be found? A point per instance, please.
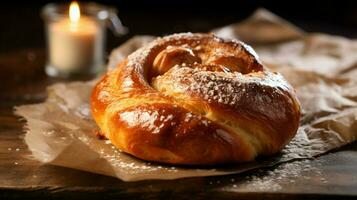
(195, 99)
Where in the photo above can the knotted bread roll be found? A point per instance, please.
(195, 99)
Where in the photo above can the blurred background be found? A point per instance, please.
(23, 41)
(22, 26)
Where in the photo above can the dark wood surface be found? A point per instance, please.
(331, 176)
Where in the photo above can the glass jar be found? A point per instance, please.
(76, 38)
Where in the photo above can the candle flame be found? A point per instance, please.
(74, 12)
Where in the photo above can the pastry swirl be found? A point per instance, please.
(195, 99)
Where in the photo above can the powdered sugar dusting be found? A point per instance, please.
(275, 179)
(262, 91)
(118, 159)
(137, 59)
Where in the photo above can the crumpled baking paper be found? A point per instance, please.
(321, 67)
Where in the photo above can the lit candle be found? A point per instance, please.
(72, 42)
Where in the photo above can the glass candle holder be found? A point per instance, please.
(76, 37)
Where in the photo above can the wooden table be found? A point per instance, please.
(331, 176)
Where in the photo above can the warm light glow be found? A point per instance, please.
(74, 12)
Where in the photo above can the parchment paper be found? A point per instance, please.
(321, 67)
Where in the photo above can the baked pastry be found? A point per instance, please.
(195, 99)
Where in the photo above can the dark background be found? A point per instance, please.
(22, 26)
(23, 81)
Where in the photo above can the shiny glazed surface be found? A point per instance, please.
(195, 99)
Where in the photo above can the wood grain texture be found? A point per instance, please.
(332, 176)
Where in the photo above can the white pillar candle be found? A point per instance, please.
(74, 42)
